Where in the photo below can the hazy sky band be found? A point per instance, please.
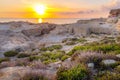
(58, 9)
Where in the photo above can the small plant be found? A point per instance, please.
(51, 48)
(23, 55)
(107, 76)
(118, 68)
(76, 73)
(3, 59)
(32, 58)
(10, 53)
(65, 57)
(43, 49)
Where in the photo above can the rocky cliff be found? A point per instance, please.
(114, 13)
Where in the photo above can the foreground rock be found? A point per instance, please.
(109, 62)
(17, 73)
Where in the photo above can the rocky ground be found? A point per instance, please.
(85, 50)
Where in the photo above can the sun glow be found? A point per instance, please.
(40, 20)
(40, 9)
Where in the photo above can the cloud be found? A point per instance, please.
(111, 5)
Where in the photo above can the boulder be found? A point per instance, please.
(118, 55)
(90, 65)
(109, 61)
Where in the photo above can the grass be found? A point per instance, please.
(107, 75)
(10, 53)
(73, 41)
(49, 57)
(105, 48)
(22, 55)
(65, 57)
(51, 48)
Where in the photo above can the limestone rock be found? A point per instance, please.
(109, 61)
(118, 55)
(90, 65)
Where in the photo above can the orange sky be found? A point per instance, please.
(57, 9)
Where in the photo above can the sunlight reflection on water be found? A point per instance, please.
(40, 20)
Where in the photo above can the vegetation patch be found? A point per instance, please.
(48, 57)
(105, 48)
(79, 72)
(107, 75)
(23, 55)
(10, 53)
(51, 48)
(4, 59)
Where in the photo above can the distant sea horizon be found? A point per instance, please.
(42, 20)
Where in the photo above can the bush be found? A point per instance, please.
(51, 57)
(118, 68)
(32, 58)
(10, 53)
(105, 48)
(108, 76)
(48, 57)
(76, 73)
(64, 57)
(23, 55)
(3, 59)
(53, 47)
(43, 49)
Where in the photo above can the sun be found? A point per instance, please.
(40, 9)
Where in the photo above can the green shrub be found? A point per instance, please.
(10, 53)
(105, 48)
(23, 55)
(65, 57)
(76, 73)
(82, 40)
(49, 61)
(48, 57)
(118, 39)
(43, 49)
(32, 58)
(108, 76)
(53, 47)
(51, 56)
(4, 59)
(118, 68)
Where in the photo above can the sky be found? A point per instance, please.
(57, 8)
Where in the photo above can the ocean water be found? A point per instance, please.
(36, 20)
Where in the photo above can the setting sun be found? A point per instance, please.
(40, 9)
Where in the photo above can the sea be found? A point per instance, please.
(40, 20)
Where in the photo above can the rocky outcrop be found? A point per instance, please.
(114, 13)
(38, 31)
(22, 35)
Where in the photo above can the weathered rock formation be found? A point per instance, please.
(114, 13)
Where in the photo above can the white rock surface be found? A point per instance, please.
(90, 65)
(109, 61)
